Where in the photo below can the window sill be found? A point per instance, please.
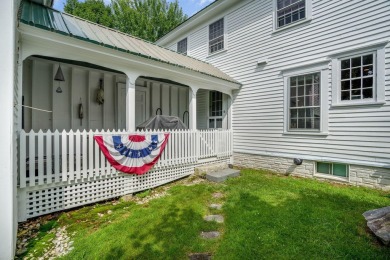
(216, 53)
(308, 20)
(331, 177)
(307, 133)
(361, 104)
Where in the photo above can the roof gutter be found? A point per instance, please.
(48, 3)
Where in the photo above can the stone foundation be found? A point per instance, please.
(366, 176)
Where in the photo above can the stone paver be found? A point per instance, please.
(217, 195)
(210, 234)
(216, 218)
(215, 206)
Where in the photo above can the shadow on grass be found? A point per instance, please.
(175, 232)
(298, 223)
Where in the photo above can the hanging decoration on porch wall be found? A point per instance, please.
(132, 153)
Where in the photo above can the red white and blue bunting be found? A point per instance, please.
(132, 153)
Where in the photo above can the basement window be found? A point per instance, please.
(335, 169)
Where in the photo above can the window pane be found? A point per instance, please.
(368, 70)
(301, 102)
(356, 72)
(345, 85)
(293, 113)
(367, 82)
(367, 93)
(345, 64)
(219, 123)
(301, 112)
(345, 95)
(356, 61)
(293, 102)
(293, 81)
(323, 168)
(308, 89)
(293, 123)
(340, 170)
(368, 59)
(345, 74)
(356, 83)
(211, 123)
(301, 91)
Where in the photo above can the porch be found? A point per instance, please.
(107, 91)
(60, 166)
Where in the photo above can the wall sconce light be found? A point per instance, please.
(59, 77)
(298, 161)
(100, 93)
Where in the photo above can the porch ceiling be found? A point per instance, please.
(52, 20)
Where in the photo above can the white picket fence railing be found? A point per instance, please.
(74, 157)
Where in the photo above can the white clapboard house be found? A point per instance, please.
(294, 86)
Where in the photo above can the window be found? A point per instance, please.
(290, 11)
(216, 36)
(304, 105)
(357, 77)
(182, 46)
(215, 109)
(335, 169)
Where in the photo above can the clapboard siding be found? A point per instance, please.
(360, 134)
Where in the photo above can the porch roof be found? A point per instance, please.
(46, 18)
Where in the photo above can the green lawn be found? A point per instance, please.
(266, 217)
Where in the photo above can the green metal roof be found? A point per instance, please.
(52, 20)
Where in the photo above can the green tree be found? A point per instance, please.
(147, 19)
(92, 10)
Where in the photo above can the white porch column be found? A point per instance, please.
(8, 216)
(130, 101)
(192, 108)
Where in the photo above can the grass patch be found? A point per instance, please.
(266, 216)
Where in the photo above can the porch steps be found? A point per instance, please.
(222, 175)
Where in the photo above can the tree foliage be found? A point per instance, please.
(147, 19)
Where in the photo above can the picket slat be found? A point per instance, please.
(49, 156)
(31, 158)
(22, 159)
(64, 155)
(77, 155)
(71, 155)
(56, 140)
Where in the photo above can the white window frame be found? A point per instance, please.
(225, 37)
(308, 16)
(321, 67)
(378, 50)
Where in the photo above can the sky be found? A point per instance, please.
(190, 7)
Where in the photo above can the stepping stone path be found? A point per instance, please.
(216, 206)
(216, 218)
(217, 195)
(210, 235)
